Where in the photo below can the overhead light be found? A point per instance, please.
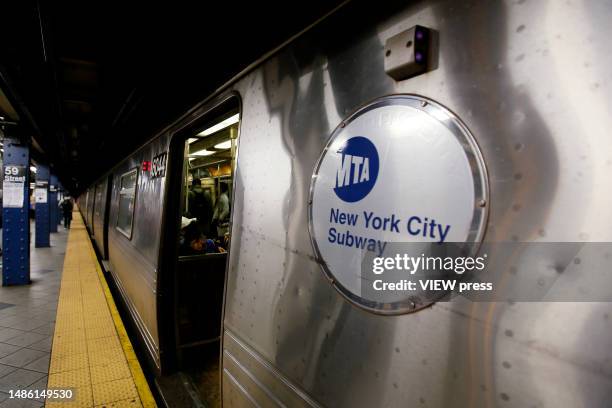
(33, 169)
(221, 125)
(192, 158)
(2, 150)
(224, 145)
(192, 139)
(202, 153)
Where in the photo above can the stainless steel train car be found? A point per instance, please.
(523, 88)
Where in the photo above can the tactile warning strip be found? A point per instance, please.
(91, 353)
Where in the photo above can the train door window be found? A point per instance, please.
(127, 194)
(206, 201)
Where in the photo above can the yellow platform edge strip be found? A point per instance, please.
(142, 386)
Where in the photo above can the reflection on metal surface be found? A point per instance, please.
(259, 380)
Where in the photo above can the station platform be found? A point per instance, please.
(69, 331)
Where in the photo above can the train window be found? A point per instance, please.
(127, 193)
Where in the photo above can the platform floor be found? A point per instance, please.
(91, 351)
(76, 342)
(27, 317)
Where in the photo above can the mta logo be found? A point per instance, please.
(357, 169)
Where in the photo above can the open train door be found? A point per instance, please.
(201, 171)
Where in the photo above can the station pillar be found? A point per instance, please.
(15, 213)
(41, 210)
(53, 204)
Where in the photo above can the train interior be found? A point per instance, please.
(206, 190)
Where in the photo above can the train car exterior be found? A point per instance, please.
(134, 236)
(508, 70)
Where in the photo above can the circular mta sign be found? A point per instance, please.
(400, 175)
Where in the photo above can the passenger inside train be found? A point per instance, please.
(193, 241)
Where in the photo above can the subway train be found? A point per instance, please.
(474, 122)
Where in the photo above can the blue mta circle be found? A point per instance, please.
(357, 169)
